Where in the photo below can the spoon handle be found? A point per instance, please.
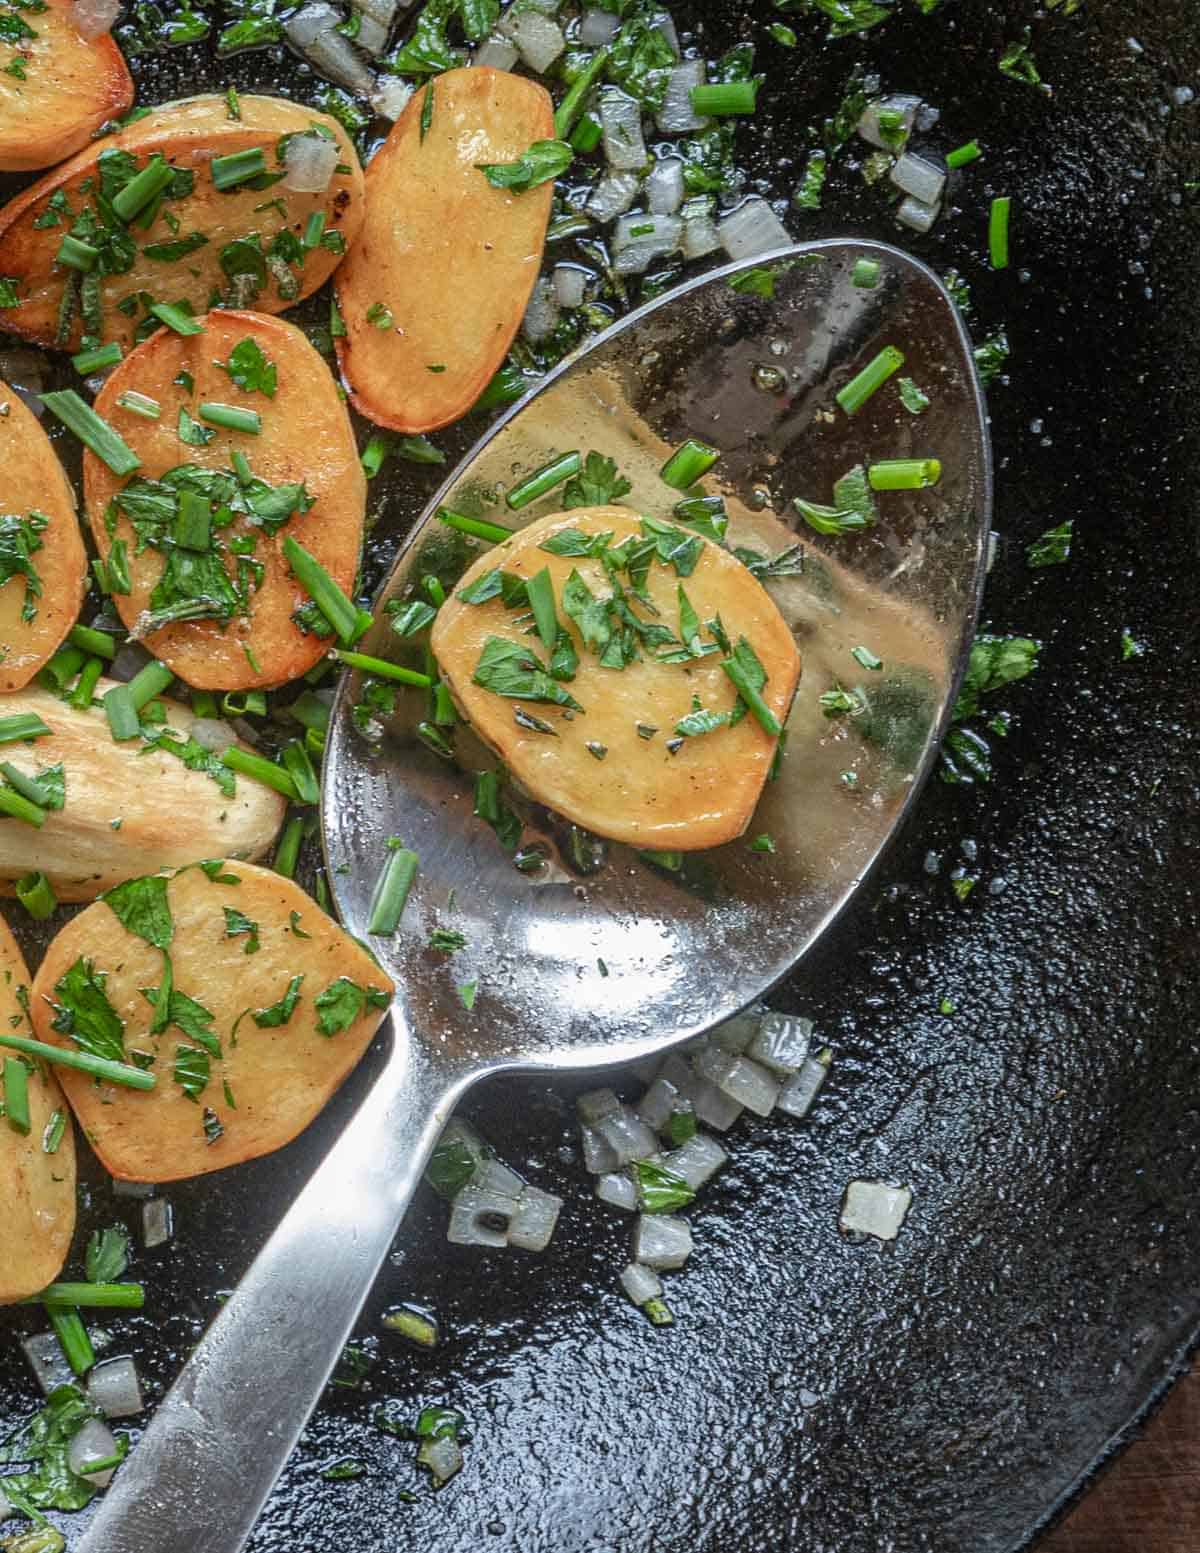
(204, 1468)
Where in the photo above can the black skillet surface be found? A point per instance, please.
(948, 1392)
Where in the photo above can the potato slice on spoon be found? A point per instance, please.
(636, 956)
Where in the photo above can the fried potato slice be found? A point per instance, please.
(37, 1188)
(67, 87)
(239, 938)
(436, 287)
(306, 439)
(127, 808)
(201, 244)
(36, 611)
(611, 768)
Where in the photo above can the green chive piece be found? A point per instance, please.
(998, 225)
(569, 109)
(476, 527)
(142, 188)
(98, 643)
(204, 704)
(72, 1338)
(83, 1062)
(238, 167)
(16, 1094)
(299, 767)
(231, 417)
(314, 229)
(140, 404)
(28, 787)
(148, 683)
(24, 725)
(93, 432)
(375, 455)
(541, 601)
(240, 703)
(123, 720)
(904, 474)
(433, 587)
(324, 592)
(870, 380)
(262, 770)
(753, 699)
(588, 134)
(18, 807)
(60, 669)
(35, 894)
(176, 318)
(56, 1129)
(724, 98)
(94, 1296)
(687, 464)
(287, 853)
(865, 274)
(241, 467)
(963, 155)
(77, 255)
(379, 666)
(543, 480)
(192, 529)
(98, 360)
(391, 889)
(89, 677)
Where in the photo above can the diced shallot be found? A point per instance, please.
(751, 229)
(617, 1189)
(212, 734)
(312, 32)
(539, 40)
(697, 1160)
(641, 1283)
(875, 1208)
(599, 1156)
(797, 1095)
(664, 187)
(158, 1223)
(480, 1218)
(739, 1078)
(921, 178)
(639, 240)
(391, 96)
(676, 117)
(621, 120)
(496, 53)
(382, 12)
(93, 1441)
(781, 1043)
(700, 235)
(628, 1136)
(596, 1104)
(868, 124)
(661, 1241)
(48, 1362)
(612, 196)
(541, 315)
(443, 1458)
(533, 1221)
(371, 37)
(94, 17)
(657, 1104)
(916, 215)
(114, 1388)
(495, 1176)
(596, 28)
(308, 162)
(735, 1034)
(570, 285)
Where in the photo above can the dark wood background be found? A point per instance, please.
(1149, 1500)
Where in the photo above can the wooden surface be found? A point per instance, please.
(1149, 1500)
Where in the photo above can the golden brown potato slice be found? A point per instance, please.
(56, 88)
(127, 808)
(38, 606)
(435, 289)
(37, 1188)
(654, 788)
(200, 246)
(306, 439)
(261, 1059)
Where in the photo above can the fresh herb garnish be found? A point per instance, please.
(544, 161)
(344, 1001)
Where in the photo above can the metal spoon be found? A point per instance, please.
(601, 956)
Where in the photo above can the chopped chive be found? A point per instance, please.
(262, 770)
(724, 98)
(314, 229)
(865, 658)
(192, 528)
(143, 188)
(83, 1062)
(300, 768)
(93, 432)
(76, 254)
(444, 714)
(242, 703)
(98, 360)
(61, 668)
(391, 889)
(140, 404)
(588, 134)
(123, 721)
(375, 455)
(16, 1094)
(55, 1131)
(961, 156)
(176, 318)
(433, 587)
(204, 704)
(872, 378)
(117, 568)
(476, 527)
(904, 474)
(766, 717)
(241, 467)
(96, 1296)
(72, 1338)
(89, 676)
(148, 683)
(18, 807)
(568, 110)
(287, 853)
(24, 725)
(998, 223)
(687, 464)
(310, 711)
(433, 738)
(34, 893)
(543, 480)
(231, 417)
(541, 601)
(323, 590)
(238, 167)
(379, 666)
(865, 274)
(91, 641)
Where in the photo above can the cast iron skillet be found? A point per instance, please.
(954, 1390)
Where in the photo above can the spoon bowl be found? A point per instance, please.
(600, 954)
